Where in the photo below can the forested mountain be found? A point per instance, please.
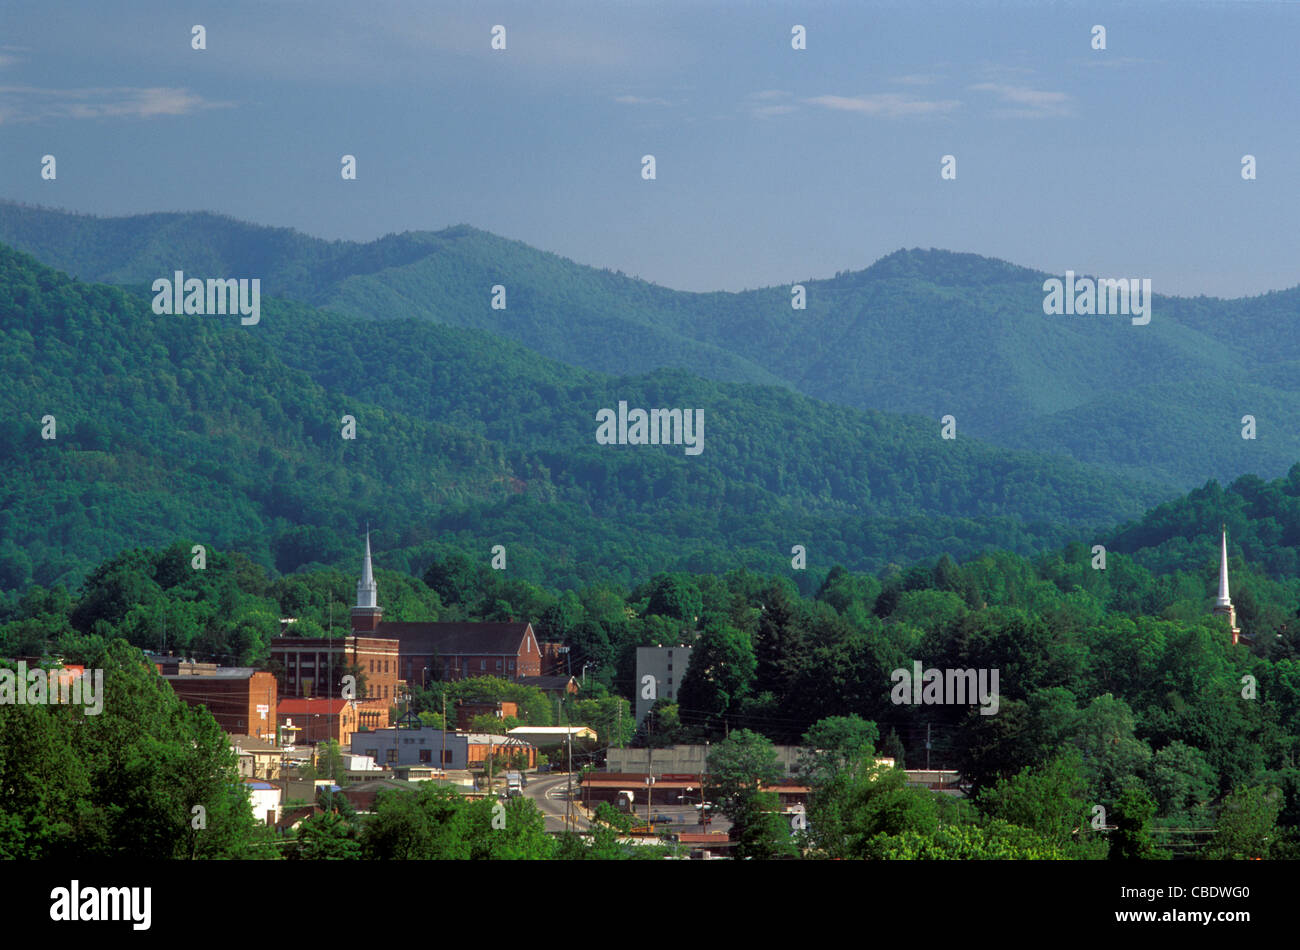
(926, 332)
(197, 427)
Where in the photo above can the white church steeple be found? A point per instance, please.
(367, 613)
(367, 592)
(1223, 599)
(1223, 603)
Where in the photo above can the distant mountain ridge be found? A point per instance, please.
(922, 332)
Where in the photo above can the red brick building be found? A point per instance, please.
(450, 651)
(316, 720)
(308, 663)
(455, 651)
(242, 700)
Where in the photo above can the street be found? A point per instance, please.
(549, 794)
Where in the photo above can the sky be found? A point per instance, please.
(772, 164)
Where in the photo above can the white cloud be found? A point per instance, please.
(641, 101)
(888, 105)
(32, 103)
(916, 79)
(1025, 103)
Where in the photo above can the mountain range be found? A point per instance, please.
(475, 426)
(930, 333)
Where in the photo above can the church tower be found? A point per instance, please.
(1223, 603)
(367, 613)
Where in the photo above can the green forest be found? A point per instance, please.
(922, 332)
(197, 427)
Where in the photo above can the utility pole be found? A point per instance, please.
(649, 779)
(442, 766)
(704, 810)
(568, 806)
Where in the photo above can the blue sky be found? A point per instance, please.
(773, 164)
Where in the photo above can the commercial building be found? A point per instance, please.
(241, 699)
(667, 667)
(428, 746)
(310, 720)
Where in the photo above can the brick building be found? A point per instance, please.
(307, 664)
(450, 651)
(316, 719)
(242, 699)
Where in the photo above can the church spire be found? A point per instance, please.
(1223, 603)
(367, 613)
(1223, 600)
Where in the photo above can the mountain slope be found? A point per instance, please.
(197, 427)
(924, 332)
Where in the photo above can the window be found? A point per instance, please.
(373, 753)
(498, 664)
(446, 757)
(426, 755)
(385, 666)
(511, 665)
(482, 664)
(392, 755)
(372, 666)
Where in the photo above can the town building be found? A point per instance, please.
(310, 719)
(447, 651)
(241, 699)
(554, 659)
(257, 757)
(429, 746)
(315, 666)
(667, 666)
(264, 799)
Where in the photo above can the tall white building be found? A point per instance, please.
(666, 668)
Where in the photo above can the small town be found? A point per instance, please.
(307, 741)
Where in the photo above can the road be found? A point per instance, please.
(549, 794)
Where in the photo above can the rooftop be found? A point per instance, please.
(456, 638)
